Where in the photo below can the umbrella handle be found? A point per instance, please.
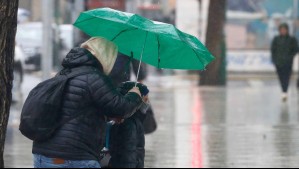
(141, 57)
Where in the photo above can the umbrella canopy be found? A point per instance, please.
(158, 44)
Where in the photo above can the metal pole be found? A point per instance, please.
(47, 50)
(141, 57)
(78, 7)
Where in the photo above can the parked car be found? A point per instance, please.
(30, 38)
(18, 74)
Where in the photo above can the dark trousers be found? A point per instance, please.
(284, 74)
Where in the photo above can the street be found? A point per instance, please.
(242, 125)
(237, 115)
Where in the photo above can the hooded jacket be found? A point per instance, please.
(104, 51)
(94, 96)
(127, 142)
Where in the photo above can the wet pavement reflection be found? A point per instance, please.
(242, 125)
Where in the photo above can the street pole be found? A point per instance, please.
(47, 50)
(78, 7)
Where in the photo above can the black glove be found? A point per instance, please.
(125, 87)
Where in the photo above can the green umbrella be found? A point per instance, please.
(158, 44)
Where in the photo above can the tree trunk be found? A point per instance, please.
(215, 75)
(8, 25)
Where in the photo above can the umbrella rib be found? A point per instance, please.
(76, 23)
(126, 30)
(141, 57)
(199, 58)
(159, 47)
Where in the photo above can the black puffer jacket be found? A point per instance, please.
(127, 143)
(283, 50)
(80, 139)
(127, 140)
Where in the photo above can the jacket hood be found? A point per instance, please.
(104, 51)
(80, 57)
(284, 25)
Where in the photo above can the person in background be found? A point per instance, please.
(284, 48)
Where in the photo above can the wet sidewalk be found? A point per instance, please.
(242, 125)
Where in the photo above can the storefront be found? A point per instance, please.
(115, 4)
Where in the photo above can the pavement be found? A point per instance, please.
(242, 125)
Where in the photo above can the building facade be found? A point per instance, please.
(115, 4)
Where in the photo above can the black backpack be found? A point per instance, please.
(41, 114)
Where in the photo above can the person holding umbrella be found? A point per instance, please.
(77, 142)
(284, 48)
(155, 43)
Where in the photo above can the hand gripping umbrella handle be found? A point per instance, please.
(141, 57)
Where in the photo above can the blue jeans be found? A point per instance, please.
(45, 162)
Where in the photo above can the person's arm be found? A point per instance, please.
(109, 101)
(294, 47)
(273, 46)
(143, 70)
